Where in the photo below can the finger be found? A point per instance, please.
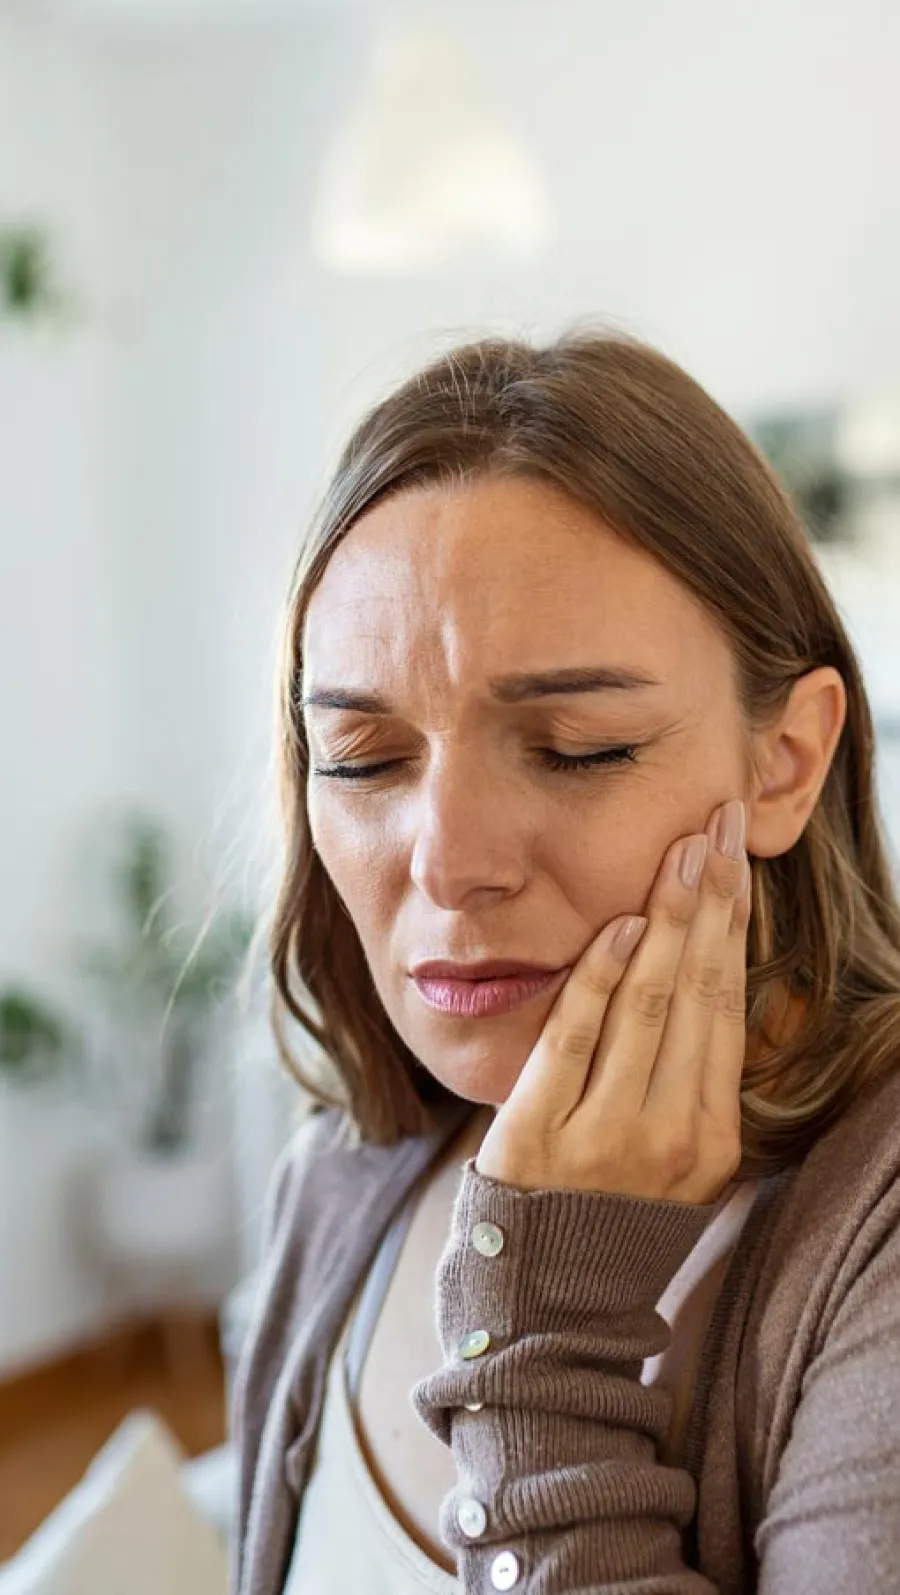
(675, 1091)
(628, 1048)
(721, 1090)
(555, 1073)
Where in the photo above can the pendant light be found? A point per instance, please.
(423, 173)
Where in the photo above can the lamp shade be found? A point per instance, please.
(422, 173)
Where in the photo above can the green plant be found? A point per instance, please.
(151, 979)
(27, 286)
(35, 1040)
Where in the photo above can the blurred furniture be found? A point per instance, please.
(135, 1522)
(142, 1503)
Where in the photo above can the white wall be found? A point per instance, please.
(63, 641)
(64, 634)
(724, 178)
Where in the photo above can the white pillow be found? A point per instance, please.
(211, 1481)
(128, 1528)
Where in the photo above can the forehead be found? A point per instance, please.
(497, 574)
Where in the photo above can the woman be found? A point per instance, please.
(586, 1275)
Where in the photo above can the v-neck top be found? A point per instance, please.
(346, 1535)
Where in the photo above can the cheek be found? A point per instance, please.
(618, 870)
(354, 857)
(609, 863)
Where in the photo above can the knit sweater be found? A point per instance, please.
(790, 1476)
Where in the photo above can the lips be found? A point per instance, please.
(506, 985)
(487, 969)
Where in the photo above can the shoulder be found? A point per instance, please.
(820, 1229)
(291, 1180)
(851, 1174)
(819, 1367)
(321, 1131)
(327, 1169)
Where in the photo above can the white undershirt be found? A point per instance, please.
(348, 1539)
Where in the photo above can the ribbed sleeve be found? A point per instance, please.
(559, 1483)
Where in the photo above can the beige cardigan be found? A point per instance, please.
(791, 1472)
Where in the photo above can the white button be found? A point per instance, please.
(474, 1344)
(471, 1517)
(487, 1239)
(505, 1570)
(473, 1406)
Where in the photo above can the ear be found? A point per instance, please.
(791, 758)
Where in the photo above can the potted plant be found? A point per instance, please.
(35, 1040)
(159, 1194)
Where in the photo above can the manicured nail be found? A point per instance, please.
(627, 937)
(693, 857)
(730, 828)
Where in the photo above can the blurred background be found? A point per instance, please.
(225, 227)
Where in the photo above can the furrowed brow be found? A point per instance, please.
(516, 688)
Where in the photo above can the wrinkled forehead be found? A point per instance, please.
(504, 574)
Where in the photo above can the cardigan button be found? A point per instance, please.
(474, 1344)
(471, 1517)
(487, 1239)
(505, 1570)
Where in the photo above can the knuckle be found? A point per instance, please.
(722, 885)
(650, 999)
(675, 1152)
(732, 1003)
(598, 979)
(577, 1042)
(703, 977)
(721, 1137)
(741, 912)
(728, 1152)
(677, 913)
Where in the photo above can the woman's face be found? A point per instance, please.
(440, 604)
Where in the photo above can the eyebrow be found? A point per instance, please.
(506, 689)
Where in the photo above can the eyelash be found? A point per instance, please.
(564, 763)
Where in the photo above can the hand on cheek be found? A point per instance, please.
(634, 1084)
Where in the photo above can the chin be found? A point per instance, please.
(483, 1065)
(484, 1081)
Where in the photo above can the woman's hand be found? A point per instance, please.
(634, 1084)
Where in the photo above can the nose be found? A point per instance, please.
(467, 840)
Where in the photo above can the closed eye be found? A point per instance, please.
(588, 761)
(550, 758)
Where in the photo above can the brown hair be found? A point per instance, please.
(631, 436)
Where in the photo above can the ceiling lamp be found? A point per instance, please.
(422, 174)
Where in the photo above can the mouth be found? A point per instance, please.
(483, 995)
(485, 969)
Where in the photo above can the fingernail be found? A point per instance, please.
(693, 856)
(730, 828)
(627, 937)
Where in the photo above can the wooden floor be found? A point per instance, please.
(53, 1420)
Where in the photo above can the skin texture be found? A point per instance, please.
(468, 847)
